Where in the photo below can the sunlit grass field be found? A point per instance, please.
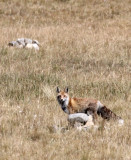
(85, 45)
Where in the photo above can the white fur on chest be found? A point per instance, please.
(64, 106)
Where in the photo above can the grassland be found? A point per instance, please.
(85, 45)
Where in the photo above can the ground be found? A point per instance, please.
(85, 45)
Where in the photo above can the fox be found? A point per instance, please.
(85, 105)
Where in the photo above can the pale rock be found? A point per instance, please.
(25, 43)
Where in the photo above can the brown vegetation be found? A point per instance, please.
(85, 45)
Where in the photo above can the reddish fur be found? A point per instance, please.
(88, 106)
(78, 104)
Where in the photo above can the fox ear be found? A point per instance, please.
(58, 90)
(66, 90)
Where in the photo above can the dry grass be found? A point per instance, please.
(85, 46)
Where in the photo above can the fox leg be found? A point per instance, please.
(93, 112)
(95, 117)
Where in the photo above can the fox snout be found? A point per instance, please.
(61, 100)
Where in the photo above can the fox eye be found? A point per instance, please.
(59, 96)
(64, 96)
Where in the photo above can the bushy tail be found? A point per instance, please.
(107, 114)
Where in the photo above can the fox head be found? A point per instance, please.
(63, 99)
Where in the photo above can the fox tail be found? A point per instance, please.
(107, 114)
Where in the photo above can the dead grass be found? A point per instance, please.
(85, 45)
